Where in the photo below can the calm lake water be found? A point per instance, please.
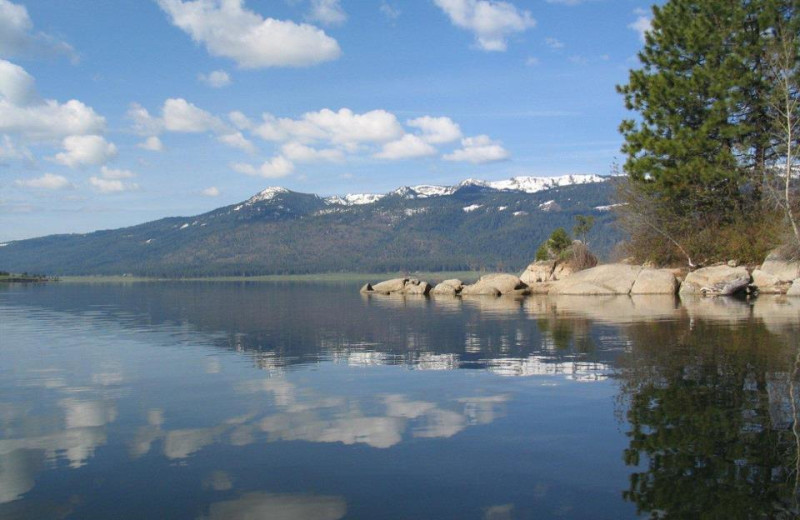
(310, 401)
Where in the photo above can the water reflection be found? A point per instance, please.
(256, 401)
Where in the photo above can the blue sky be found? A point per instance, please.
(116, 112)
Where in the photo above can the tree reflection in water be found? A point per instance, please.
(711, 419)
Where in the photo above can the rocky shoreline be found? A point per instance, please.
(775, 276)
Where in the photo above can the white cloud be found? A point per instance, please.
(110, 173)
(274, 168)
(83, 150)
(216, 79)
(408, 147)
(301, 153)
(143, 122)
(436, 130)
(343, 127)
(17, 37)
(240, 121)
(492, 22)
(211, 191)
(237, 140)
(554, 43)
(390, 11)
(532, 61)
(103, 185)
(229, 30)
(152, 143)
(48, 181)
(642, 25)
(328, 12)
(181, 116)
(478, 150)
(23, 112)
(10, 150)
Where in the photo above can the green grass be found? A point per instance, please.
(466, 276)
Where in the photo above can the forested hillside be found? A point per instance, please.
(472, 226)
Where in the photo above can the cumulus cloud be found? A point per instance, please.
(18, 39)
(478, 150)
(111, 173)
(642, 25)
(211, 191)
(24, 113)
(342, 127)
(85, 150)
(240, 121)
(112, 181)
(237, 140)
(152, 144)
(48, 181)
(227, 29)
(216, 79)
(181, 116)
(492, 22)
(436, 130)
(408, 147)
(274, 168)
(328, 12)
(301, 153)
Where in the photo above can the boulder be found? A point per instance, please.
(444, 289)
(767, 283)
(367, 288)
(419, 288)
(717, 280)
(777, 265)
(538, 272)
(454, 283)
(655, 281)
(494, 284)
(794, 290)
(390, 286)
(601, 280)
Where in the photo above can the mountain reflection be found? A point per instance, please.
(202, 377)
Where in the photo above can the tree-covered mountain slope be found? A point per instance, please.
(473, 225)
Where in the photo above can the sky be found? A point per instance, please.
(117, 112)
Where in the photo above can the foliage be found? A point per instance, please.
(583, 225)
(699, 154)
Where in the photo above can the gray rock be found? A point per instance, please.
(419, 288)
(767, 283)
(786, 270)
(601, 280)
(444, 289)
(493, 284)
(655, 281)
(537, 272)
(718, 280)
(390, 286)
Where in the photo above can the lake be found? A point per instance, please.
(310, 401)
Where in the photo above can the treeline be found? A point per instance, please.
(711, 163)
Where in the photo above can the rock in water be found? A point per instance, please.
(496, 284)
(794, 290)
(390, 286)
(784, 269)
(538, 272)
(601, 280)
(767, 283)
(655, 281)
(420, 288)
(448, 288)
(718, 280)
(367, 288)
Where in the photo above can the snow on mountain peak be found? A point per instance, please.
(267, 194)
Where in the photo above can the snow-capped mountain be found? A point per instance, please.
(524, 184)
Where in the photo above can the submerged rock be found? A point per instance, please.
(718, 280)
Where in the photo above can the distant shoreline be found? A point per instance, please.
(320, 277)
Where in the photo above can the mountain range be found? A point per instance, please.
(469, 226)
